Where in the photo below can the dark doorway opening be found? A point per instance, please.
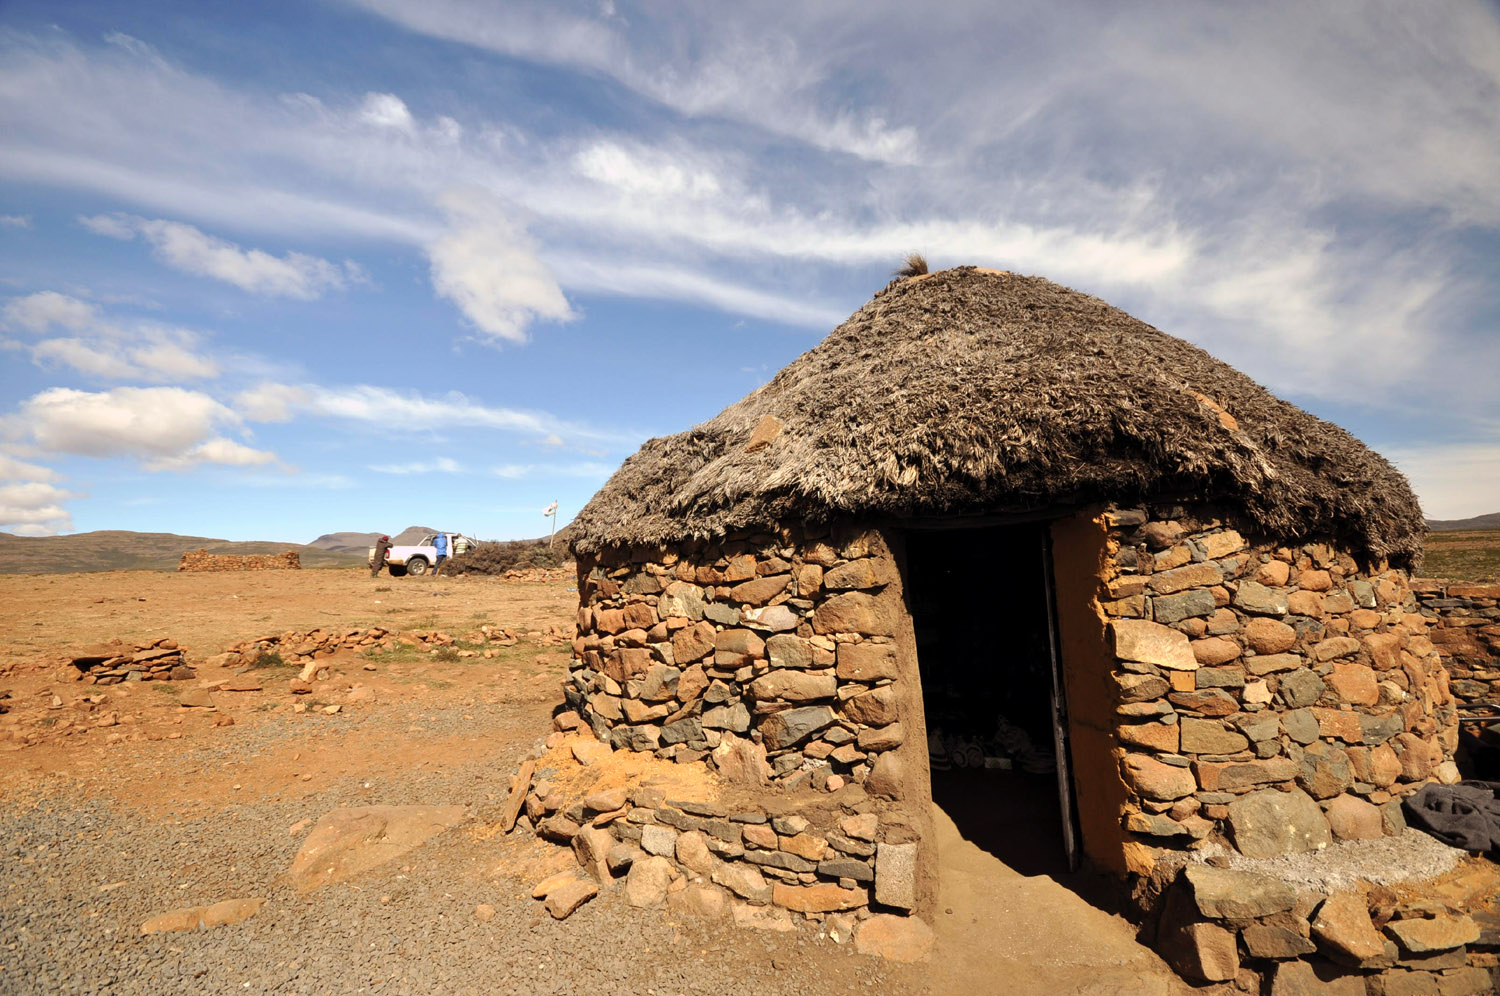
(982, 609)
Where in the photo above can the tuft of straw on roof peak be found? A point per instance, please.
(915, 265)
(973, 391)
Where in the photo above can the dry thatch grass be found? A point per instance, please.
(970, 390)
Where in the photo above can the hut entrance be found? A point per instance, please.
(982, 607)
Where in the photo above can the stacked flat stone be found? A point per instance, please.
(112, 663)
(299, 647)
(1216, 922)
(1272, 698)
(1466, 630)
(781, 646)
(203, 561)
(813, 862)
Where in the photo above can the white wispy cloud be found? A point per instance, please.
(1452, 480)
(398, 411)
(15, 221)
(442, 465)
(186, 248)
(103, 347)
(586, 469)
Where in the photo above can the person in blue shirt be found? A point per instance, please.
(440, 547)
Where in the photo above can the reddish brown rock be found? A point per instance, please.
(1343, 929)
(694, 643)
(1354, 683)
(761, 590)
(1152, 736)
(1154, 780)
(824, 897)
(219, 914)
(1269, 636)
(855, 612)
(868, 662)
(1215, 650)
(895, 938)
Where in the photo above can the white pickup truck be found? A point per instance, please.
(419, 559)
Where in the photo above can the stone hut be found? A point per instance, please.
(997, 535)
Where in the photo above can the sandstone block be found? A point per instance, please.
(784, 650)
(1344, 931)
(823, 897)
(761, 590)
(895, 938)
(896, 875)
(1181, 578)
(693, 643)
(869, 662)
(1264, 940)
(867, 572)
(1192, 604)
(1354, 683)
(1352, 818)
(1152, 643)
(648, 881)
(1442, 933)
(882, 738)
(794, 686)
(876, 707)
(1154, 780)
(1223, 894)
(1215, 650)
(855, 612)
(1254, 597)
(1269, 636)
(1152, 736)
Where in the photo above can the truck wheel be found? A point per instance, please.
(416, 567)
(397, 570)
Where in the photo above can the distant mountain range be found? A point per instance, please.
(1490, 521)
(121, 550)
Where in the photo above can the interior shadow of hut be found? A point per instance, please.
(979, 599)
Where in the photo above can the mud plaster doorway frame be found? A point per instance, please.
(1034, 535)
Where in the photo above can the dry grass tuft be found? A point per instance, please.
(914, 266)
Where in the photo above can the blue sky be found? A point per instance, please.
(270, 270)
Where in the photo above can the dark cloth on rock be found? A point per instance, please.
(1465, 815)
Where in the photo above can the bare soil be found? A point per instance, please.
(117, 804)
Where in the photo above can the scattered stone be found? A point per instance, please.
(895, 938)
(345, 842)
(1344, 931)
(566, 897)
(647, 882)
(219, 914)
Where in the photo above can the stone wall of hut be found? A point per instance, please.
(778, 660)
(1222, 690)
(1464, 624)
(1275, 698)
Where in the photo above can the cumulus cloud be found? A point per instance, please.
(162, 427)
(386, 110)
(486, 265)
(189, 249)
(105, 348)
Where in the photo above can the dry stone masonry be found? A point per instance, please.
(771, 657)
(202, 560)
(1465, 628)
(1274, 698)
(112, 663)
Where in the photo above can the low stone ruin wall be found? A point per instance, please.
(202, 560)
(112, 663)
(1465, 627)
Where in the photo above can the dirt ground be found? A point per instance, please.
(207, 805)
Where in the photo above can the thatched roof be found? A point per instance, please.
(971, 390)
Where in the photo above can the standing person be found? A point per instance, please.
(382, 547)
(440, 547)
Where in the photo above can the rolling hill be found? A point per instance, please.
(120, 550)
(1490, 521)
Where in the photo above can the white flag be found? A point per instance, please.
(550, 509)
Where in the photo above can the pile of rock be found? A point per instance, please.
(202, 560)
(299, 647)
(783, 647)
(1466, 630)
(1279, 697)
(838, 863)
(1215, 920)
(112, 663)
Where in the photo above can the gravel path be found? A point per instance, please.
(81, 876)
